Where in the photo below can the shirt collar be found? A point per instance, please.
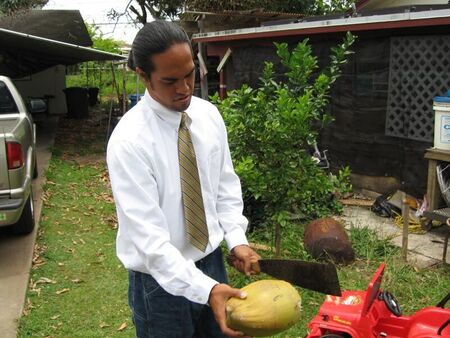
(170, 116)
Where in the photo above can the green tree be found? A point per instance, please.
(286, 6)
(271, 129)
(9, 7)
(143, 10)
(100, 42)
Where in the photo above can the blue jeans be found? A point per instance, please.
(158, 314)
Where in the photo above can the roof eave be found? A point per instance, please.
(65, 45)
(374, 22)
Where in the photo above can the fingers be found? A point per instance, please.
(245, 260)
(220, 293)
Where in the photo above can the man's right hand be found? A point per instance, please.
(218, 297)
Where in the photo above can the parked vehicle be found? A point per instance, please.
(17, 159)
(376, 313)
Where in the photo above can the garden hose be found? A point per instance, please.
(414, 226)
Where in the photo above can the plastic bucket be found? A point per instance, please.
(134, 98)
(93, 95)
(441, 106)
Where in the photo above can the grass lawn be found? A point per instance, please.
(78, 288)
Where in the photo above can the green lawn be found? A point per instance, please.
(78, 288)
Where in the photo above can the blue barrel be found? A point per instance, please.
(134, 99)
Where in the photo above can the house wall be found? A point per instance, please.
(50, 82)
(357, 137)
(380, 4)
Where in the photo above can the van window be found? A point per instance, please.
(7, 103)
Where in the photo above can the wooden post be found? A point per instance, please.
(405, 215)
(114, 82)
(201, 50)
(222, 85)
(124, 92)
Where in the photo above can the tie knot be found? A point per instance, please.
(183, 123)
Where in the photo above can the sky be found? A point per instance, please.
(95, 11)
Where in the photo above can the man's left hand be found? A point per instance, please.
(245, 259)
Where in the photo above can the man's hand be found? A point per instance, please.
(217, 299)
(245, 260)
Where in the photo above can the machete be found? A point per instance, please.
(320, 277)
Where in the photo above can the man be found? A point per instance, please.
(174, 208)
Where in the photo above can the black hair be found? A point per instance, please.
(154, 38)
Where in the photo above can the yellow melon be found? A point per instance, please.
(271, 306)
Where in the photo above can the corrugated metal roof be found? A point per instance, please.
(324, 25)
(256, 13)
(23, 54)
(231, 19)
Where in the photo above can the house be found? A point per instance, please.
(382, 104)
(37, 45)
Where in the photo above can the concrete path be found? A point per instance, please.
(16, 252)
(424, 250)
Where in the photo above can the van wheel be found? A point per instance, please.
(35, 171)
(25, 224)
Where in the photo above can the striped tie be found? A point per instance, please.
(194, 212)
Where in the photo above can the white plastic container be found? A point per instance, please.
(441, 106)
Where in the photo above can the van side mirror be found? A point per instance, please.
(37, 106)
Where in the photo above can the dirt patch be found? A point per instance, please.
(83, 140)
(89, 159)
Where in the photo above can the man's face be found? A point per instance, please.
(172, 81)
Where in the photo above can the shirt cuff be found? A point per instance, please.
(235, 238)
(205, 286)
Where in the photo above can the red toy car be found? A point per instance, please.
(376, 313)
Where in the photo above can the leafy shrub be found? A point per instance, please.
(271, 130)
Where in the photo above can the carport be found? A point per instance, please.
(23, 54)
(37, 63)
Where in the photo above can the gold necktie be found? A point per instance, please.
(194, 211)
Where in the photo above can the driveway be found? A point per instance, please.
(16, 252)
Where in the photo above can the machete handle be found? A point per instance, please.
(254, 266)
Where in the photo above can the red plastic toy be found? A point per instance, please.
(376, 313)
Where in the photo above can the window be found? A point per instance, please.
(7, 103)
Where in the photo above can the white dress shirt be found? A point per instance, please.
(142, 159)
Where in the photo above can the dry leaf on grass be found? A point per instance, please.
(27, 308)
(76, 280)
(111, 221)
(37, 290)
(103, 325)
(45, 280)
(122, 327)
(62, 291)
(55, 317)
